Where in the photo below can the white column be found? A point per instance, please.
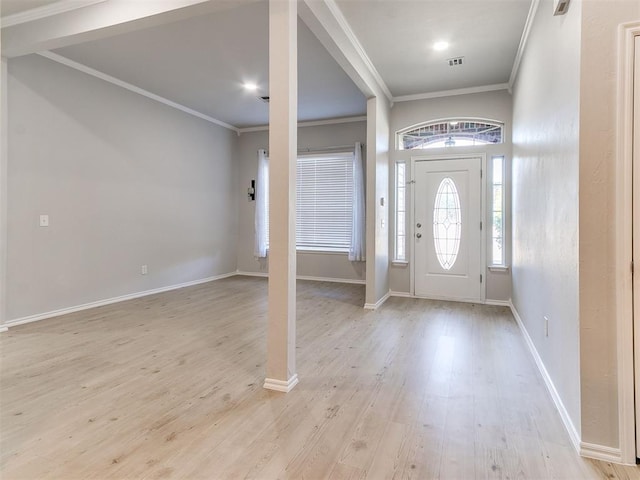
(283, 146)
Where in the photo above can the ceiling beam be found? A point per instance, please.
(100, 20)
(56, 8)
(310, 123)
(326, 21)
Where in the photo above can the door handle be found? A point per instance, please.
(419, 225)
(419, 235)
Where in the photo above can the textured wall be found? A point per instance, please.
(598, 113)
(125, 180)
(4, 129)
(545, 196)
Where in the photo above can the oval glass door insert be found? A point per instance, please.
(447, 223)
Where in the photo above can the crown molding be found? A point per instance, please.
(61, 6)
(351, 36)
(145, 93)
(132, 88)
(313, 123)
(523, 42)
(451, 93)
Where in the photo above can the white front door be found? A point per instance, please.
(448, 247)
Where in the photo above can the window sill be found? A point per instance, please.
(318, 251)
(498, 268)
(321, 251)
(399, 263)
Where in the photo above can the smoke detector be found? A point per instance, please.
(454, 62)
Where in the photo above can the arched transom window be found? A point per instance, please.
(450, 132)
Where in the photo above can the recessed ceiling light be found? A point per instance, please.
(440, 46)
(249, 86)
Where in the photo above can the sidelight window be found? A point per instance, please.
(401, 212)
(497, 211)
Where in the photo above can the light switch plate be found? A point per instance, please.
(44, 220)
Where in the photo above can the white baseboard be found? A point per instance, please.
(378, 304)
(131, 296)
(307, 277)
(564, 415)
(252, 274)
(401, 294)
(109, 301)
(498, 303)
(333, 280)
(281, 385)
(501, 303)
(600, 452)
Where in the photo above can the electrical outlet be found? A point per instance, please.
(144, 270)
(546, 326)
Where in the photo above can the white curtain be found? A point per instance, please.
(262, 195)
(357, 247)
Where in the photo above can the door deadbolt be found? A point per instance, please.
(419, 235)
(419, 225)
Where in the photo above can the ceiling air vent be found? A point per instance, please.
(264, 99)
(454, 62)
(560, 7)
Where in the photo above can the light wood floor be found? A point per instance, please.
(170, 386)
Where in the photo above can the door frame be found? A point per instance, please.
(624, 245)
(483, 215)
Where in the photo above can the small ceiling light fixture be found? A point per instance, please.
(250, 87)
(440, 46)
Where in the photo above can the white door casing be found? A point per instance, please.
(455, 273)
(636, 229)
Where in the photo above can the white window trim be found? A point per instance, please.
(307, 249)
(399, 133)
(502, 266)
(397, 260)
(498, 268)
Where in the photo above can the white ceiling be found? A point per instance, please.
(398, 36)
(201, 62)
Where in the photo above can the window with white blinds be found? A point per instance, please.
(324, 194)
(324, 202)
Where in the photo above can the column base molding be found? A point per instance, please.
(281, 385)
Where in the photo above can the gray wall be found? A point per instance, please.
(4, 128)
(598, 212)
(545, 196)
(310, 264)
(493, 105)
(125, 180)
